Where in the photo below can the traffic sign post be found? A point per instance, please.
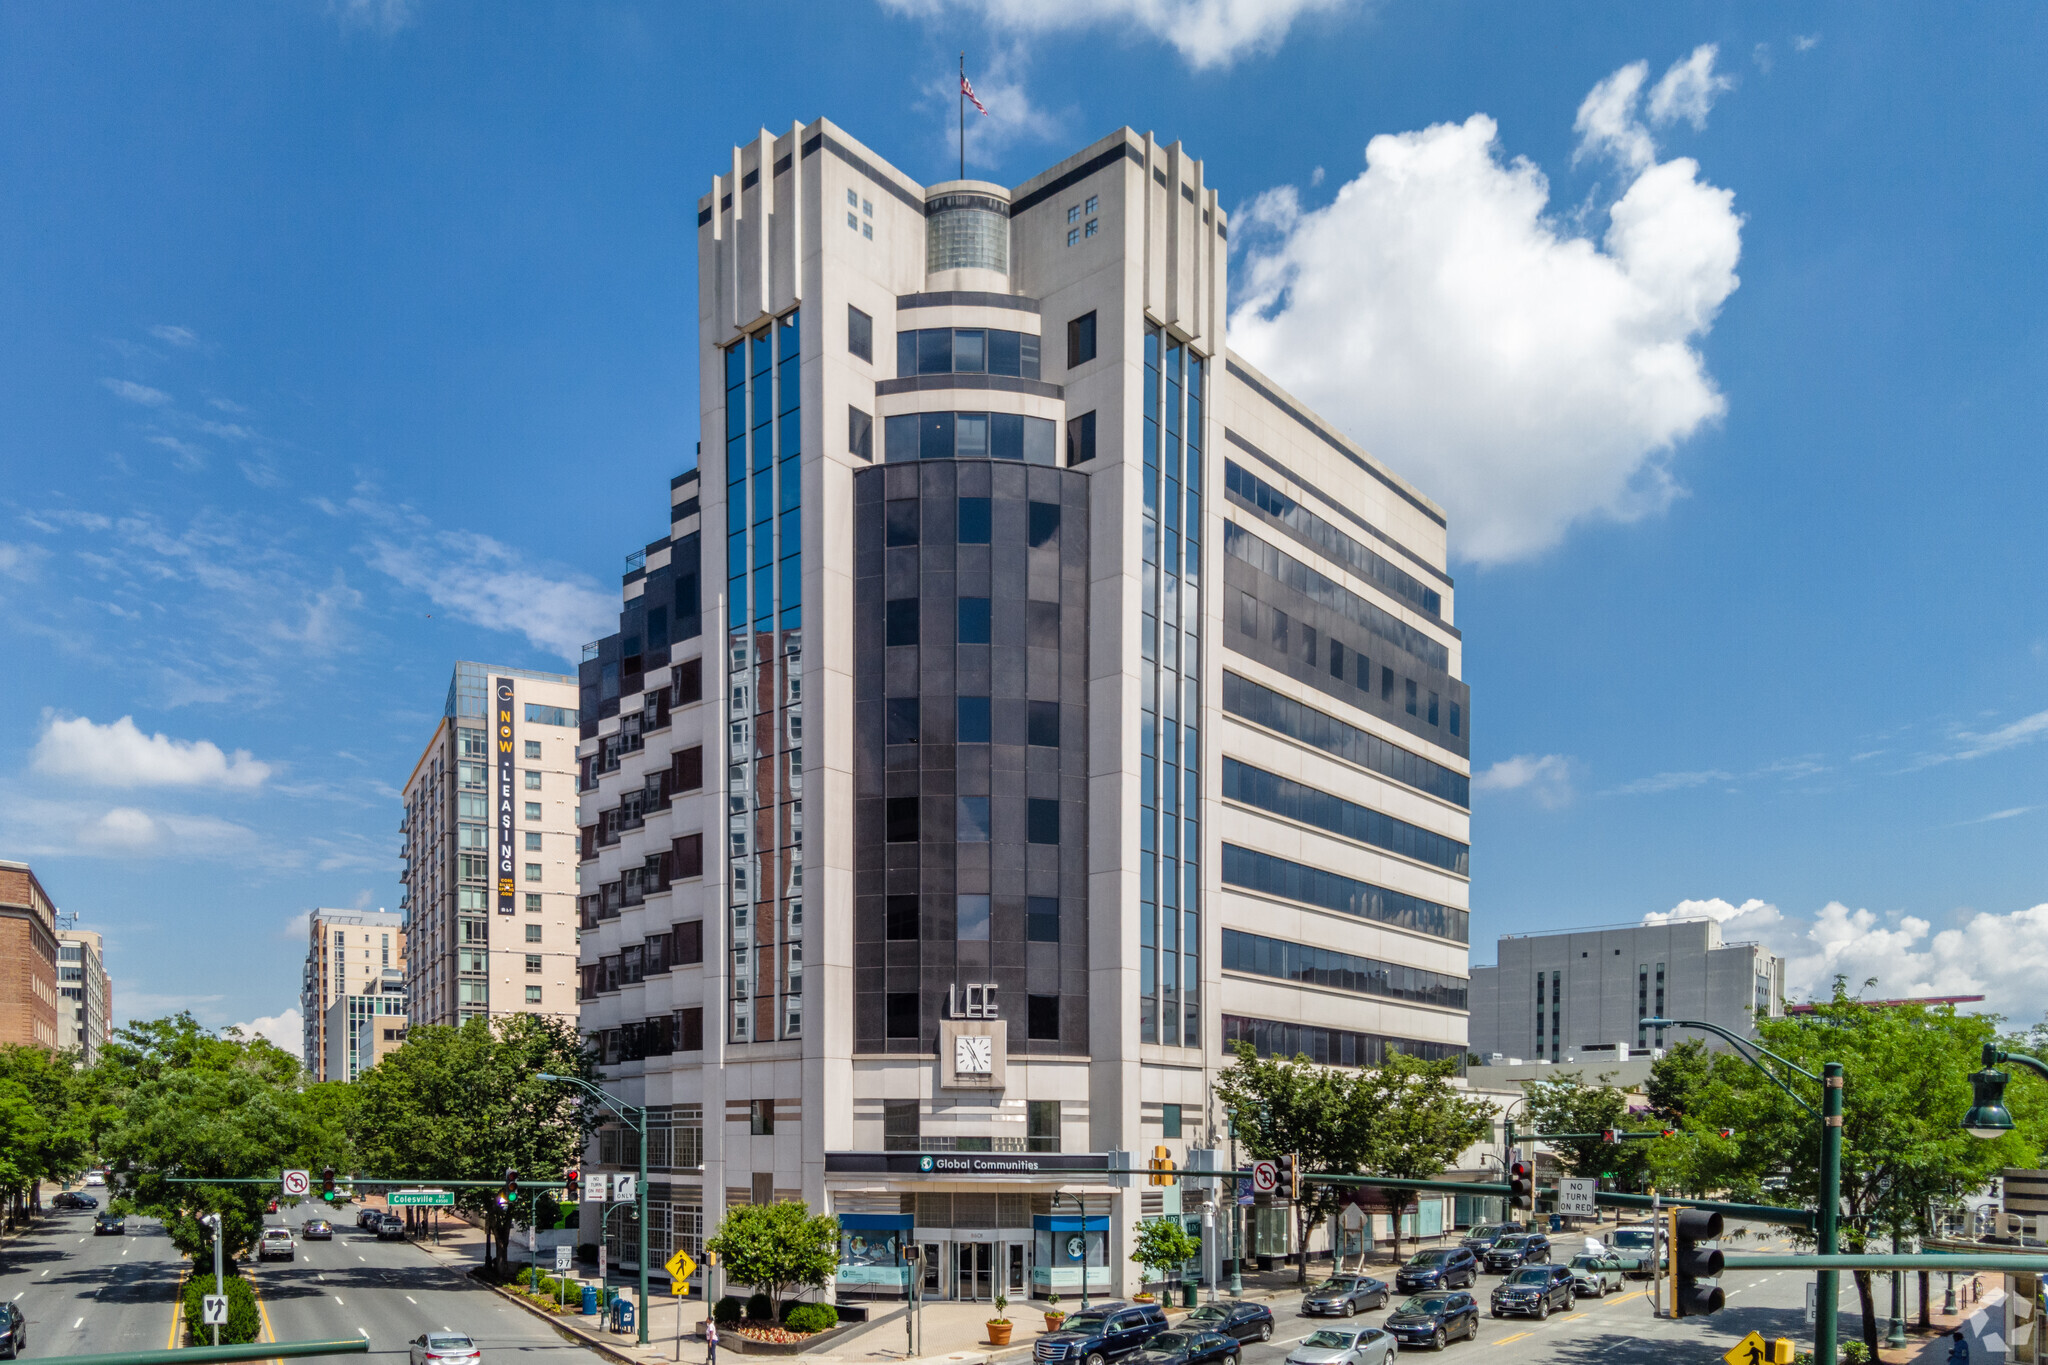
(623, 1189)
(679, 1268)
(421, 1199)
(1575, 1198)
(213, 1310)
(297, 1183)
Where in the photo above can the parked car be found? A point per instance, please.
(1483, 1235)
(110, 1222)
(1343, 1346)
(1243, 1321)
(317, 1230)
(1345, 1295)
(1101, 1333)
(368, 1219)
(1433, 1319)
(1517, 1249)
(1179, 1347)
(1534, 1291)
(391, 1229)
(444, 1348)
(1440, 1268)
(1636, 1248)
(65, 1199)
(13, 1331)
(277, 1244)
(1596, 1276)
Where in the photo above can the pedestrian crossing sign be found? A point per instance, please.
(1754, 1350)
(680, 1267)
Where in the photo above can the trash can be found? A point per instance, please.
(1556, 1222)
(589, 1300)
(1190, 1294)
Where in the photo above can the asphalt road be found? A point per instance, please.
(84, 1294)
(390, 1292)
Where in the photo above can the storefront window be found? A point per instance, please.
(873, 1256)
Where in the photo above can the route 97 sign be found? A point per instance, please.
(1265, 1176)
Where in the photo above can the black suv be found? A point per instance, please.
(1102, 1332)
(1243, 1321)
(1534, 1290)
(1446, 1268)
(1481, 1238)
(1517, 1249)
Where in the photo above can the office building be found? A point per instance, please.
(1580, 995)
(351, 956)
(489, 842)
(1075, 705)
(362, 1029)
(86, 993)
(28, 946)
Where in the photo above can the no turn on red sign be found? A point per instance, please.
(1265, 1176)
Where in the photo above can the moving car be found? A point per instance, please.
(95, 1178)
(1188, 1348)
(1636, 1248)
(1483, 1235)
(1442, 1268)
(368, 1219)
(1343, 1346)
(1517, 1249)
(1433, 1319)
(1243, 1321)
(317, 1230)
(1534, 1291)
(444, 1348)
(1596, 1276)
(277, 1244)
(1103, 1332)
(65, 1199)
(1345, 1295)
(13, 1331)
(116, 1223)
(391, 1229)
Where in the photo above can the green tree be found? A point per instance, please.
(1164, 1246)
(1906, 1070)
(1564, 1103)
(1676, 1077)
(776, 1248)
(1283, 1109)
(465, 1103)
(1413, 1123)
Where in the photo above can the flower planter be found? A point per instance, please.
(1053, 1321)
(999, 1334)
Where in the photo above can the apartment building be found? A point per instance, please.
(1077, 705)
(489, 842)
(85, 992)
(28, 947)
(355, 965)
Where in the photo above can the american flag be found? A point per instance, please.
(967, 89)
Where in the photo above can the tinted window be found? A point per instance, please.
(1045, 523)
(1081, 340)
(901, 722)
(1042, 1016)
(1043, 819)
(900, 622)
(974, 621)
(1042, 925)
(934, 350)
(902, 917)
(900, 815)
(970, 351)
(902, 1011)
(974, 721)
(974, 520)
(860, 333)
(1044, 724)
(900, 516)
(1003, 354)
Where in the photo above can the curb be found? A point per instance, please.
(563, 1329)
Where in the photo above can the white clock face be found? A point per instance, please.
(973, 1055)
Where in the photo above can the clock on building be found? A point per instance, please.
(973, 1055)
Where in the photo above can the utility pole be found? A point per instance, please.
(213, 1221)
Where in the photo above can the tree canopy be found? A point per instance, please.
(777, 1247)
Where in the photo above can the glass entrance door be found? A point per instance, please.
(1013, 1273)
(976, 1263)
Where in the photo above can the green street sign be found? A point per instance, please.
(402, 1199)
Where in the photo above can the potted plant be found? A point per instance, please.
(999, 1326)
(1054, 1314)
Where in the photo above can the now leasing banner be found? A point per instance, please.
(508, 834)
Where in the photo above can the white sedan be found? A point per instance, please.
(445, 1348)
(1344, 1346)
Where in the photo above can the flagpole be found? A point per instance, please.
(963, 115)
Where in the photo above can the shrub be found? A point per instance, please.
(728, 1310)
(1855, 1353)
(760, 1308)
(811, 1317)
(243, 1324)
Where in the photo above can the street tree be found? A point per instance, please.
(1566, 1103)
(1163, 1246)
(777, 1248)
(1284, 1109)
(1906, 1071)
(1413, 1123)
(1675, 1078)
(465, 1103)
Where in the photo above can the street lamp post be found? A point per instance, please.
(636, 1115)
(1827, 1286)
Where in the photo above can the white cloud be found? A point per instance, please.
(137, 393)
(2023, 731)
(488, 583)
(1805, 42)
(176, 336)
(126, 831)
(120, 755)
(1547, 778)
(1205, 32)
(187, 456)
(1441, 313)
(382, 17)
(1688, 90)
(286, 1030)
(1671, 782)
(21, 562)
(1012, 117)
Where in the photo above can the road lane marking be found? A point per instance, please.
(76, 1325)
(337, 1299)
(408, 1298)
(1502, 1341)
(365, 1332)
(46, 1272)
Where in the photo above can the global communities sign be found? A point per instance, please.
(963, 1163)
(507, 834)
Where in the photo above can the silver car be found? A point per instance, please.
(1343, 1346)
(1596, 1276)
(1636, 1248)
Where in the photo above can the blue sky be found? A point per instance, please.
(340, 341)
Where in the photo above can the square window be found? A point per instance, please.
(533, 904)
(1093, 200)
(860, 333)
(532, 781)
(1094, 224)
(1074, 214)
(974, 521)
(1043, 724)
(974, 724)
(1081, 340)
(860, 434)
(533, 959)
(533, 995)
(852, 196)
(533, 841)
(1042, 919)
(974, 621)
(533, 810)
(867, 206)
(901, 919)
(533, 933)
(1042, 1018)
(533, 748)
(971, 924)
(900, 720)
(899, 521)
(853, 222)
(1044, 523)
(900, 815)
(901, 1011)
(1073, 236)
(1042, 820)
(971, 823)
(867, 230)
(900, 624)
(1169, 1120)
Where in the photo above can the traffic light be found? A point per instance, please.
(1521, 1189)
(327, 1183)
(1692, 1262)
(574, 1180)
(1726, 1132)
(1162, 1168)
(1294, 1178)
(509, 1196)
